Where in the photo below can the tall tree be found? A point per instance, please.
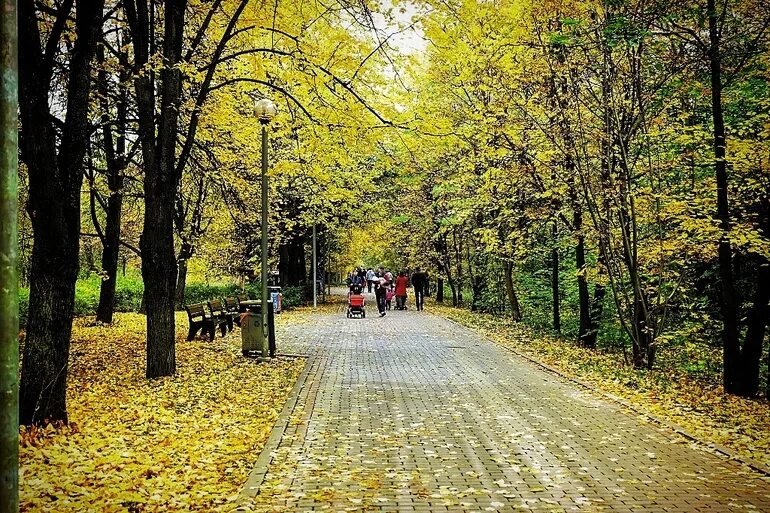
(114, 139)
(53, 152)
(160, 177)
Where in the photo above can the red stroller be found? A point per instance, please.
(356, 303)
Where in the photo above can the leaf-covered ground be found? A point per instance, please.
(183, 443)
(696, 402)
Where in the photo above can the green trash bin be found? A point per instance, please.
(251, 327)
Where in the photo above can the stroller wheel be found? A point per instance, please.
(349, 316)
(363, 314)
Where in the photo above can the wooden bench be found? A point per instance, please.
(199, 320)
(220, 316)
(232, 308)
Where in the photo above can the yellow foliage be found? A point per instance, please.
(183, 443)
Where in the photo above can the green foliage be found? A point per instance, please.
(129, 290)
(203, 292)
(128, 294)
(292, 297)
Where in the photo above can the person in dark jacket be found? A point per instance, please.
(380, 290)
(420, 284)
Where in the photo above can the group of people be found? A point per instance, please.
(386, 287)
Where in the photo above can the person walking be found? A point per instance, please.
(402, 282)
(420, 283)
(380, 290)
(370, 279)
(362, 277)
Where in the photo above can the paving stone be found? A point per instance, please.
(411, 412)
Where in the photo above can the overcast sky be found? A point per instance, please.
(410, 41)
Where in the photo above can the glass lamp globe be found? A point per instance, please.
(265, 110)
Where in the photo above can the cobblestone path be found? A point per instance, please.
(413, 413)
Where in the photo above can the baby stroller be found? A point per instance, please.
(356, 304)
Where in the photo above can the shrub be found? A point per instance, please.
(129, 290)
(201, 292)
(128, 294)
(292, 297)
(87, 296)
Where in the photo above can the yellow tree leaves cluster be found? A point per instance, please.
(582, 132)
(161, 125)
(333, 113)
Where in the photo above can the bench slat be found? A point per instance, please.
(196, 310)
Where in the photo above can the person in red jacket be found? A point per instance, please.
(402, 282)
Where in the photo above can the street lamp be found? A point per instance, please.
(265, 110)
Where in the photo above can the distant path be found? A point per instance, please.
(413, 413)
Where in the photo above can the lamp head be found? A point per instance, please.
(265, 110)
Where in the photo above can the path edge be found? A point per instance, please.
(721, 449)
(250, 488)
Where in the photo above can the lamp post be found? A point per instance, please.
(315, 271)
(265, 110)
(9, 297)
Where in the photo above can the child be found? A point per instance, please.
(389, 297)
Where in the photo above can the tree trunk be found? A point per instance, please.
(458, 282)
(440, 290)
(477, 288)
(159, 267)
(291, 262)
(9, 261)
(643, 347)
(755, 333)
(185, 253)
(596, 310)
(116, 163)
(728, 304)
(54, 208)
(110, 253)
(513, 300)
(584, 305)
(555, 283)
(160, 179)
(181, 283)
(450, 279)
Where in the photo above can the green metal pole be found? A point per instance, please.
(265, 331)
(9, 296)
